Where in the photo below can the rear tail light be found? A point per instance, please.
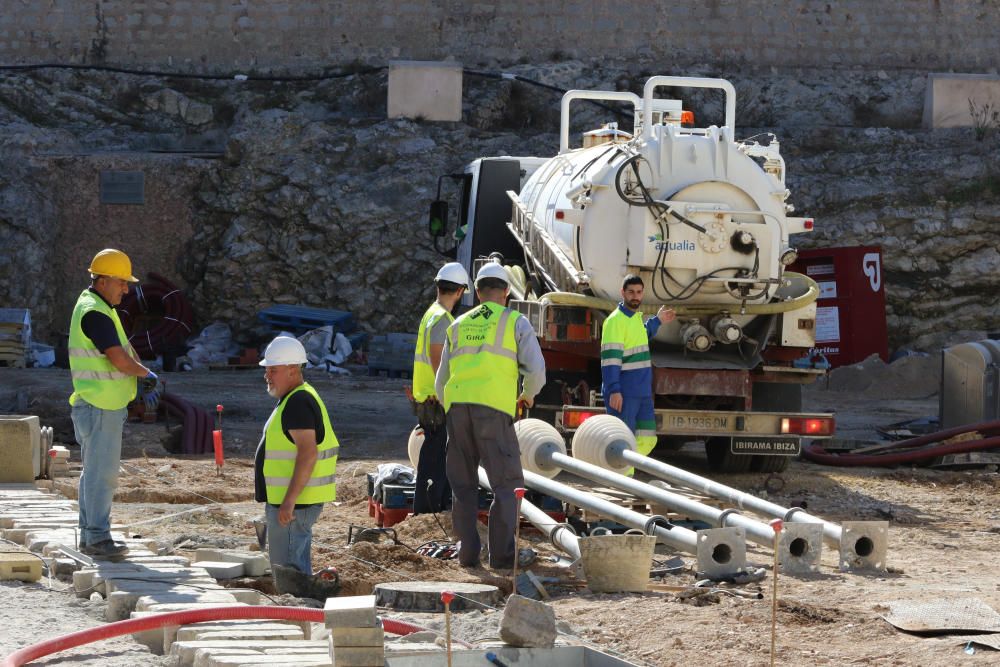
(573, 419)
(808, 426)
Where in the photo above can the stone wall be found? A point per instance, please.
(292, 35)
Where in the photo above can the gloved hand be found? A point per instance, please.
(151, 398)
(148, 383)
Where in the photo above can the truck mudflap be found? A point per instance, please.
(749, 433)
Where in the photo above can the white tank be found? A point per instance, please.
(702, 219)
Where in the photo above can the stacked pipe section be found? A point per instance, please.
(543, 448)
(720, 552)
(156, 315)
(862, 544)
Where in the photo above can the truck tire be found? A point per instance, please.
(774, 397)
(721, 458)
(762, 463)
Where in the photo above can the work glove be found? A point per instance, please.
(151, 398)
(148, 383)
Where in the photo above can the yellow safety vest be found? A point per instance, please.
(280, 453)
(482, 358)
(423, 371)
(624, 342)
(95, 378)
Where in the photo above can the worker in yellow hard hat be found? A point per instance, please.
(104, 368)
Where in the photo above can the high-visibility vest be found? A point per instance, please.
(95, 378)
(423, 371)
(482, 359)
(624, 341)
(280, 453)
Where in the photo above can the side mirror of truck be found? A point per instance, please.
(437, 222)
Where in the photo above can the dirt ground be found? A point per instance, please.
(944, 531)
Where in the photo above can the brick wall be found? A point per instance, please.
(298, 35)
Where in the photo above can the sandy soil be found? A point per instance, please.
(944, 529)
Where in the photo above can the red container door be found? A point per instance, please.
(850, 311)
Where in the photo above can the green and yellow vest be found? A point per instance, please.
(95, 378)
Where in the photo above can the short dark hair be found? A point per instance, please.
(491, 284)
(448, 287)
(632, 279)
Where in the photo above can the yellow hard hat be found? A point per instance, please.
(114, 263)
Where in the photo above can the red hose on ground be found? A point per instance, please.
(49, 646)
(986, 428)
(817, 454)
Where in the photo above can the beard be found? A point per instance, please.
(633, 304)
(271, 391)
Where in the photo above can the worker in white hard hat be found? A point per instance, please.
(488, 348)
(104, 368)
(296, 462)
(432, 492)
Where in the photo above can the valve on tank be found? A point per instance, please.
(696, 337)
(725, 329)
(743, 242)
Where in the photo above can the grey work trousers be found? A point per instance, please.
(477, 434)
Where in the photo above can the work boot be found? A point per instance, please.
(105, 549)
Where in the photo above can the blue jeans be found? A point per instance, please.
(292, 544)
(99, 433)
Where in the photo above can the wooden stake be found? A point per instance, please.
(776, 525)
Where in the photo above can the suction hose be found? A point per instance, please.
(817, 454)
(809, 294)
(25, 655)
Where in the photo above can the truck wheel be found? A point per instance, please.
(722, 459)
(671, 443)
(762, 463)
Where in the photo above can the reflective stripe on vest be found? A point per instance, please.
(423, 370)
(624, 342)
(482, 358)
(95, 378)
(280, 453)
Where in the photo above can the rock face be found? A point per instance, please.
(292, 192)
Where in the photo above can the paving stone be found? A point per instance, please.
(19, 566)
(185, 651)
(356, 611)
(347, 636)
(528, 623)
(253, 634)
(268, 661)
(358, 656)
(221, 570)
(121, 603)
(254, 564)
(153, 603)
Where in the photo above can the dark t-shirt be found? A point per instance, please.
(302, 412)
(99, 328)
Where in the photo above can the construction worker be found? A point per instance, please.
(432, 492)
(296, 461)
(104, 368)
(487, 348)
(626, 371)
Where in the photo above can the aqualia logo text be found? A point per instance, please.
(681, 246)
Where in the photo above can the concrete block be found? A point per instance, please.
(19, 566)
(20, 448)
(267, 661)
(250, 596)
(425, 89)
(121, 603)
(195, 630)
(184, 652)
(221, 570)
(232, 634)
(528, 623)
(355, 611)
(946, 100)
(152, 603)
(358, 656)
(346, 636)
(254, 564)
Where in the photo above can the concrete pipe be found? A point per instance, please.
(862, 544)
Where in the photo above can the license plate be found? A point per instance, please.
(767, 446)
(695, 423)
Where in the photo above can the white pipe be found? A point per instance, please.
(611, 95)
(559, 533)
(687, 82)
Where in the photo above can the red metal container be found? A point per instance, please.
(850, 312)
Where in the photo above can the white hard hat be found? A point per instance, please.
(284, 351)
(493, 270)
(453, 272)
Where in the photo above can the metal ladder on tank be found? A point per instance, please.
(544, 256)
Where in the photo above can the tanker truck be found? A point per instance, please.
(705, 221)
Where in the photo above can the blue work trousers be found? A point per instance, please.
(99, 433)
(292, 544)
(637, 413)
